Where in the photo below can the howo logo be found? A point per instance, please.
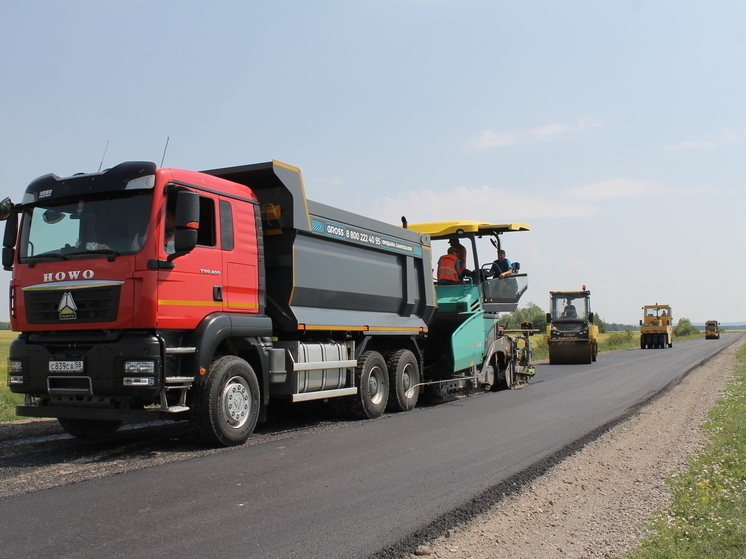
(71, 275)
(67, 307)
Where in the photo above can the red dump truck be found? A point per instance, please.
(142, 293)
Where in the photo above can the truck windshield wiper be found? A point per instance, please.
(108, 251)
(49, 255)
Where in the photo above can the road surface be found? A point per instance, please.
(337, 489)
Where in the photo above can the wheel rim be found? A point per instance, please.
(236, 399)
(408, 377)
(375, 385)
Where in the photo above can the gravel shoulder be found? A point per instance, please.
(595, 502)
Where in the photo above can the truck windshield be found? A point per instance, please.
(113, 224)
(570, 307)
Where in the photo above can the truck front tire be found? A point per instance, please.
(225, 408)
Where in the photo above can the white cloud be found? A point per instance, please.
(551, 132)
(724, 138)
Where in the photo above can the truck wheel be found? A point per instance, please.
(89, 428)
(225, 408)
(372, 380)
(403, 375)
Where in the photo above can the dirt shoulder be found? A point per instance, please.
(593, 504)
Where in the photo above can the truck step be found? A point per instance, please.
(179, 380)
(176, 409)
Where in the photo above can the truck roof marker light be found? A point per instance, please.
(145, 182)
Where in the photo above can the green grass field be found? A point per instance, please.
(8, 400)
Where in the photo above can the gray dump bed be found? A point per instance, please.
(331, 269)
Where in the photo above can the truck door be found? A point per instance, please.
(238, 244)
(192, 289)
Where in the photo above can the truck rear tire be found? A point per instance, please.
(403, 375)
(225, 408)
(89, 428)
(372, 380)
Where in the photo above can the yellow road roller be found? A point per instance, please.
(571, 335)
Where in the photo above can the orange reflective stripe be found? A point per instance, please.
(447, 268)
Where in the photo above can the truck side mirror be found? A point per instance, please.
(186, 223)
(9, 241)
(9, 254)
(6, 208)
(549, 317)
(590, 317)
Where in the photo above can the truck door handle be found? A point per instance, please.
(217, 292)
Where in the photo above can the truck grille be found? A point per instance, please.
(94, 304)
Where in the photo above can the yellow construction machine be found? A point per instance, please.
(712, 330)
(656, 327)
(571, 335)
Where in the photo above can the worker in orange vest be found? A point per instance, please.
(460, 253)
(449, 267)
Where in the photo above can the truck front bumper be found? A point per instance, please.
(85, 368)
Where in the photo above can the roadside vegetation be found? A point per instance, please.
(8, 400)
(707, 517)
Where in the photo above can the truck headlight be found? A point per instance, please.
(15, 366)
(12, 379)
(139, 367)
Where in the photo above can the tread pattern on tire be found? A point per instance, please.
(399, 402)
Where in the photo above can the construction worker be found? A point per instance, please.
(460, 253)
(449, 267)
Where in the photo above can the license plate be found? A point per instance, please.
(65, 366)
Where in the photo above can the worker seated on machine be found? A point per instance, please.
(569, 312)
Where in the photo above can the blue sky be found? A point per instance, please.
(615, 129)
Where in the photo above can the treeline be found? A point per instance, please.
(534, 314)
(4, 325)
